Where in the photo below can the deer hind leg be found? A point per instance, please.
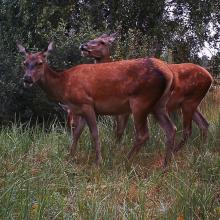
(90, 116)
(121, 122)
(170, 131)
(76, 131)
(202, 123)
(188, 109)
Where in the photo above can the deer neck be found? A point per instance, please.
(53, 83)
(104, 59)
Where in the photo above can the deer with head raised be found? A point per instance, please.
(191, 83)
(137, 86)
(101, 54)
(99, 50)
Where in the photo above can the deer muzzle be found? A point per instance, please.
(28, 81)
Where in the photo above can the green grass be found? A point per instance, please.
(39, 181)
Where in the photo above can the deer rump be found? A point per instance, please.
(110, 87)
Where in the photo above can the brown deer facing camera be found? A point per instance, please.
(137, 86)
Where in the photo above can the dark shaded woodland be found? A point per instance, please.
(162, 28)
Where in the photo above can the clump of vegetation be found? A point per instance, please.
(38, 180)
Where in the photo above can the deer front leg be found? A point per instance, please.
(121, 122)
(202, 123)
(170, 131)
(76, 130)
(188, 108)
(90, 116)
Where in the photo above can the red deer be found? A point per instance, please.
(137, 86)
(101, 47)
(191, 83)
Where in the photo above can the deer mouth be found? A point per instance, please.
(85, 52)
(27, 85)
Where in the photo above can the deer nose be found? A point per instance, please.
(83, 46)
(27, 79)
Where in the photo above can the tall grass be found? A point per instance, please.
(38, 180)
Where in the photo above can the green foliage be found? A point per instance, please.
(144, 27)
(215, 68)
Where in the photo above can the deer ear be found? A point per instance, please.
(22, 49)
(109, 39)
(48, 50)
(112, 37)
(103, 36)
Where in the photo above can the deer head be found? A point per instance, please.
(34, 64)
(98, 48)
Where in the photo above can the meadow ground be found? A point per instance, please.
(39, 181)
